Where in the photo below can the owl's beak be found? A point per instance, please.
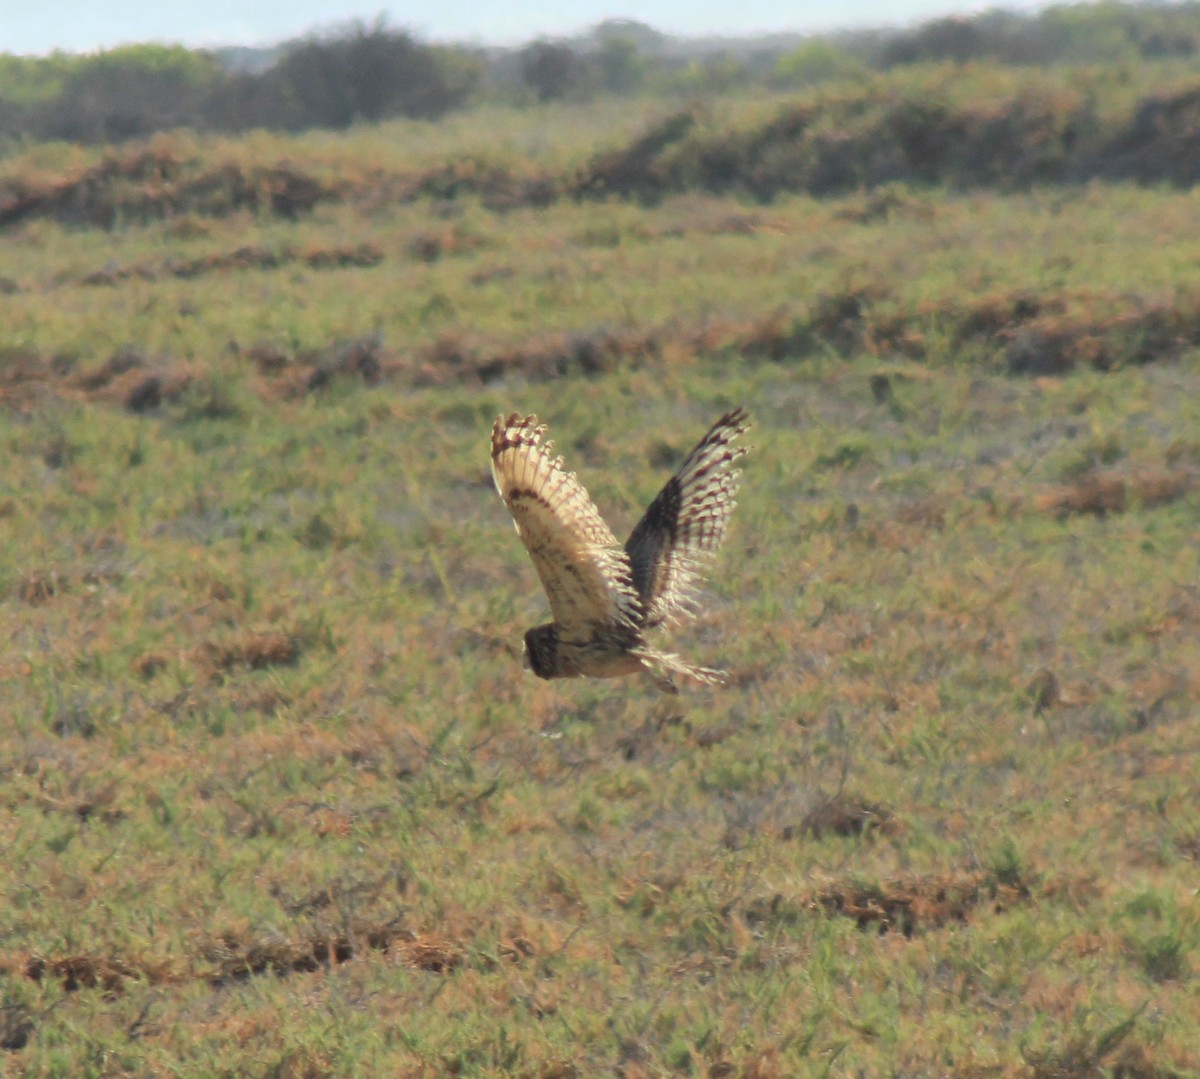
(525, 659)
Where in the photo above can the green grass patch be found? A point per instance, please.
(278, 798)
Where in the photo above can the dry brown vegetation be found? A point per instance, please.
(243, 258)
(149, 185)
(1105, 491)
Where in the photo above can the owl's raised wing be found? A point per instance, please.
(686, 524)
(583, 569)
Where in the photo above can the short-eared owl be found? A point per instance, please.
(604, 596)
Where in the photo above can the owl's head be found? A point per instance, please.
(541, 650)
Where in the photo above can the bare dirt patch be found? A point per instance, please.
(1102, 492)
(236, 956)
(83, 971)
(911, 905)
(255, 651)
(845, 815)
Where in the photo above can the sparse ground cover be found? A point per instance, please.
(278, 800)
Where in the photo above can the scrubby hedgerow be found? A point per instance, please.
(983, 130)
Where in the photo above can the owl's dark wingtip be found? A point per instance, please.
(737, 417)
(514, 430)
(734, 423)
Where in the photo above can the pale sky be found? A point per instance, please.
(83, 25)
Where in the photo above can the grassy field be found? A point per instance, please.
(276, 798)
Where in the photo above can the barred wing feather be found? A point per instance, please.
(585, 572)
(686, 524)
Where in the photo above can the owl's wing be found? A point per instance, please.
(582, 567)
(686, 524)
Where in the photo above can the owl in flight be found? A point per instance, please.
(604, 596)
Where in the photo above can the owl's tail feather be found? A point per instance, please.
(663, 665)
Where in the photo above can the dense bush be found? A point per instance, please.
(370, 73)
(114, 95)
(363, 73)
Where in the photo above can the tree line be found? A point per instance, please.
(363, 73)
(368, 72)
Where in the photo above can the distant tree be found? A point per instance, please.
(363, 73)
(26, 79)
(620, 64)
(551, 69)
(127, 92)
(814, 62)
(716, 73)
(645, 37)
(369, 72)
(459, 76)
(1092, 32)
(14, 119)
(244, 101)
(957, 39)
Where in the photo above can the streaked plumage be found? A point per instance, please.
(602, 595)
